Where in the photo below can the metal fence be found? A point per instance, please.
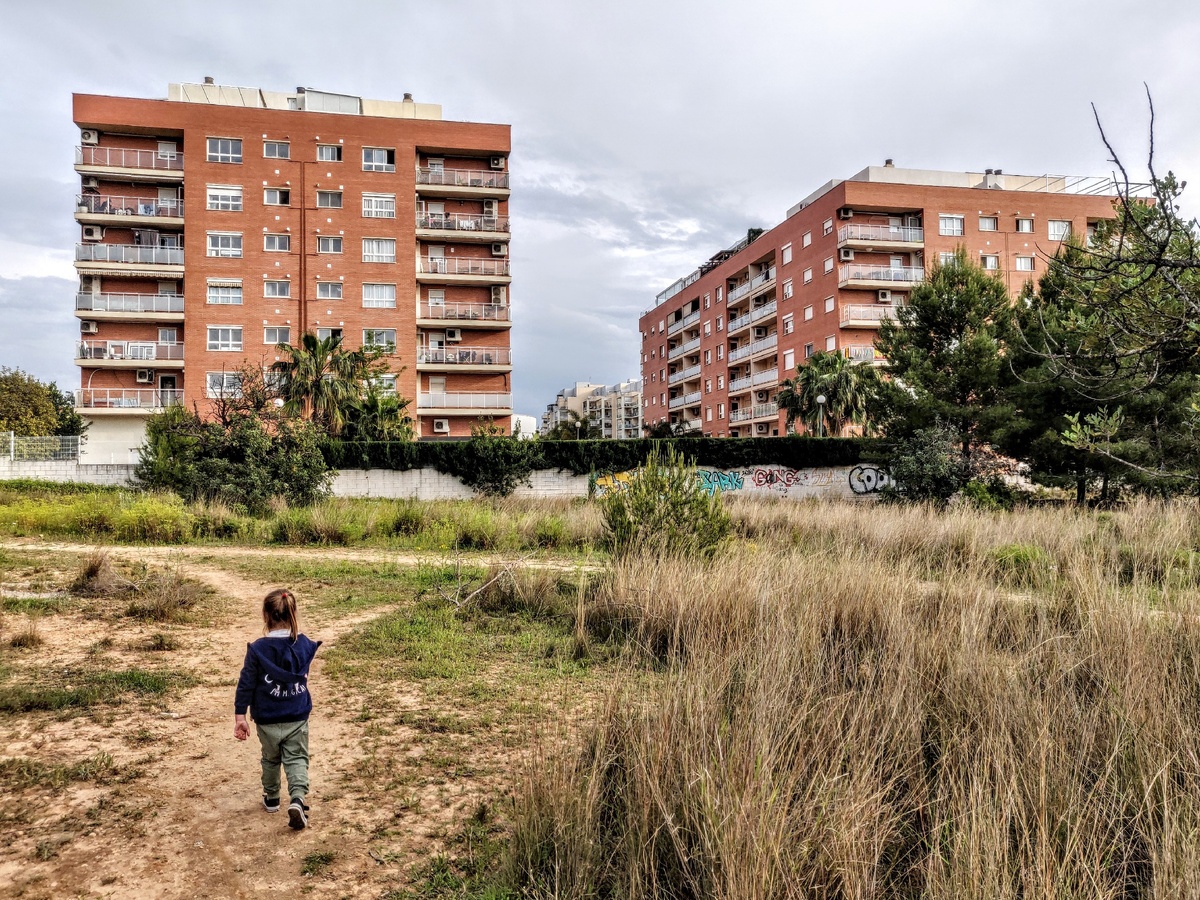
(41, 449)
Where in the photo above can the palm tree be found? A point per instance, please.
(846, 386)
(321, 381)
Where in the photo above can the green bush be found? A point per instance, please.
(664, 510)
(926, 467)
(1023, 565)
(990, 496)
(155, 518)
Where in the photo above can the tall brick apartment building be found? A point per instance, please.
(222, 221)
(719, 340)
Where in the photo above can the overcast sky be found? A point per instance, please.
(646, 135)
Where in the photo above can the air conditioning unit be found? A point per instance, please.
(761, 428)
(760, 332)
(91, 184)
(499, 294)
(846, 254)
(89, 136)
(93, 233)
(845, 213)
(497, 162)
(491, 209)
(441, 426)
(762, 396)
(499, 249)
(87, 326)
(453, 335)
(145, 376)
(883, 295)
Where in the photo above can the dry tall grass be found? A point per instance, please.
(894, 703)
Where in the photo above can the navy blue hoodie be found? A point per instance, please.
(274, 680)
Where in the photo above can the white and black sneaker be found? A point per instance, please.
(298, 814)
(270, 804)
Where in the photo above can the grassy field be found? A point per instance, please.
(846, 701)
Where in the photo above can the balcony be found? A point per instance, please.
(866, 316)
(767, 376)
(130, 307)
(863, 353)
(741, 384)
(462, 270)
(476, 315)
(129, 354)
(861, 275)
(487, 359)
(129, 259)
(755, 315)
(685, 400)
(684, 349)
(758, 411)
(462, 227)
(761, 280)
(461, 402)
(117, 209)
(888, 237)
(754, 348)
(462, 182)
(684, 375)
(126, 164)
(123, 401)
(678, 326)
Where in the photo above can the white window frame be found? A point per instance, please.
(227, 150)
(989, 262)
(785, 254)
(827, 227)
(229, 342)
(806, 241)
(275, 285)
(327, 243)
(228, 244)
(1059, 229)
(223, 294)
(286, 338)
(993, 223)
(1025, 226)
(946, 258)
(335, 156)
(324, 333)
(277, 242)
(222, 384)
(830, 304)
(827, 266)
(789, 323)
(808, 276)
(279, 194)
(325, 199)
(831, 343)
(808, 312)
(268, 146)
(385, 300)
(379, 206)
(379, 250)
(1024, 264)
(375, 159)
(788, 289)
(332, 290)
(371, 335)
(951, 225)
(224, 197)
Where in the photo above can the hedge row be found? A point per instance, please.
(603, 457)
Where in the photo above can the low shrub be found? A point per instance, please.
(97, 577)
(1023, 565)
(165, 596)
(154, 518)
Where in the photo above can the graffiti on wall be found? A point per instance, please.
(869, 479)
(769, 480)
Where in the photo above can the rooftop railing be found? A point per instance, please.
(461, 222)
(463, 178)
(119, 205)
(127, 158)
(129, 253)
(130, 303)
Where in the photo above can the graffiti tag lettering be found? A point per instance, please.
(712, 481)
(868, 479)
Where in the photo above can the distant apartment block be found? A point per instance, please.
(222, 221)
(615, 409)
(719, 340)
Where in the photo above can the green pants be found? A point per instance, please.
(286, 743)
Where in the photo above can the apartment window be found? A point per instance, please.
(708, 385)
(277, 150)
(222, 384)
(720, 294)
(224, 243)
(277, 289)
(381, 250)
(329, 245)
(950, 225)
(225, 198)
(1025, 226)
(224, 337)
(707, 328)
(808, 313)
(329, 199)
(720, 323)
(168, 335)
(278, 335)
(789, 360)
(379, 206)
(277, 243)
(167, 149)
(828, 266)
(329, 152)
(224, 293)
(830, 304)
(989, 223)
(708, 357)
(384, 338)
(989, 262)
(324, 334)
(786, 254)
(807, 239)
(789, 324)
(1060, 229)
(720, 410)
(329, 290)
(831, 342)
(720, 351)
(807, 275)
(379, 296)
(224, 150)
(808, 350)
(720, 382)
(946, 258)
(706, 303)
(708, 413)
(277, 197)
(1024, 263)
(385, 384)
(787, 289)
(827, 226)
(379, 159)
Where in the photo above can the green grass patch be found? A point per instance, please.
(35, 604)
(21, 772)
(69, 691)
(317, 862)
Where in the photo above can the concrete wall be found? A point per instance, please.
(67, 470)
(112, 440)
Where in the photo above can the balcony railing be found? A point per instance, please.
(684, 400)
(872, 314)
(683, 375)
(124, 158)
(139, 350)
(769, 376)
(756, 282)
(758, 411)
(465, 356)
(684, 349)
(118, 205)
(123, 398)
(767, 309)
(486, 311)
(463, 400)
(907, 234)
(463, 178)
(690, 319)
(461, 265)
(741, 384)
(130, 303)
(461, 222)
(890, 274)
(129, 253)
(860, 353)
(756, 347)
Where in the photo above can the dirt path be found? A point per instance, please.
(192, 825)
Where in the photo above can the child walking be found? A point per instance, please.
(274, 686)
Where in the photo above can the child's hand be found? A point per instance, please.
(241, 730)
